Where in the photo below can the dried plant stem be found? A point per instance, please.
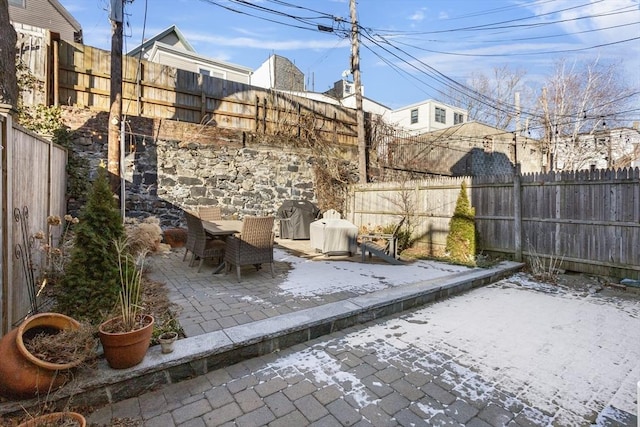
(130, 284)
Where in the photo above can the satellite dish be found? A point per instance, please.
(345, 73)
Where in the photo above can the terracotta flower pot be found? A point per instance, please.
(125, 349)
(54, 419)
(21, 373)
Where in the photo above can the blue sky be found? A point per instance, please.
(403, 38)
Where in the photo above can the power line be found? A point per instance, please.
(548, 36)
(524, 53)
(310, 23)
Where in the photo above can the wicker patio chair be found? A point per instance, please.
(199, 244)
(253, 246)
(210, 213)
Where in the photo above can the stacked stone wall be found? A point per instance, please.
(172, 166)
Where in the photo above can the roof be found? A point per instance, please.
(193, 55)
(474, 128)
(148, 44)
(432, 101)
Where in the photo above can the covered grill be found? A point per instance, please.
(295, 217)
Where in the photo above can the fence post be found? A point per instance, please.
(4, 276)
(517, 214)
(264, 116)
(256, 116)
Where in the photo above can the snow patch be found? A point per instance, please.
(316, 278)
(324, 369)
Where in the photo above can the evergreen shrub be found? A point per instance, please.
(461, 240)
(90, 286)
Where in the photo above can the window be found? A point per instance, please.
(414, 116)
(204, 72)
(441, 115)
(18, 3)
(458, 118)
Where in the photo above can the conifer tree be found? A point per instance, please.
(461, 240)
(90, 286)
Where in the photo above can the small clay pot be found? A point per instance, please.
(166, 341)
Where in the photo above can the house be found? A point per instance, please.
(344, 91)
(278, 73)
(172, 49)
(599, 149)
(344, 97)
(46, 14)
(427, 116)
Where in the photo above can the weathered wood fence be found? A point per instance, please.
(33, 186)
(34, 65)
(588, 220)
(159, 91)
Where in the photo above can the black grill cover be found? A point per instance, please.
(295, 217)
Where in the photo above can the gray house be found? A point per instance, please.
(172, 49)
(46, 14)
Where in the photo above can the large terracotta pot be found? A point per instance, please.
(21, 373)
(125, 349)
(53, 418)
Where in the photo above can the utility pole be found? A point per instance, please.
(355, 70)
(115, 111)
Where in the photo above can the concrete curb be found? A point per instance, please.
(204, 353)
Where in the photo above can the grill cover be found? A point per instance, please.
(295, 217)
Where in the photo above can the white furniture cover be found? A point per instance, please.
(334, 236)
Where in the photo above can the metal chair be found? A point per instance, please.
(382, 245)
(199, 244)
(210, 213)
(253, 246)
(331, 214)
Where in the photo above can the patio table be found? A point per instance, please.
(222, 228)
(334, 236)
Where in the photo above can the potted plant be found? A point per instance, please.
(38, 355)
(126, 337)
(166, 340)
(71, 419)
(166, 332)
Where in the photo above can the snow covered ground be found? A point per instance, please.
(565, 354)
(309, 278)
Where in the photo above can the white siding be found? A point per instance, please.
(426, 116)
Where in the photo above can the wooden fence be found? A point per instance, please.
(588, 220)
(33, 47)
(33, 187)
(159, 91)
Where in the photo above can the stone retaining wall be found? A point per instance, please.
(171, 166)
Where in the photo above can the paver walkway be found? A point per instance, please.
(404, 370)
